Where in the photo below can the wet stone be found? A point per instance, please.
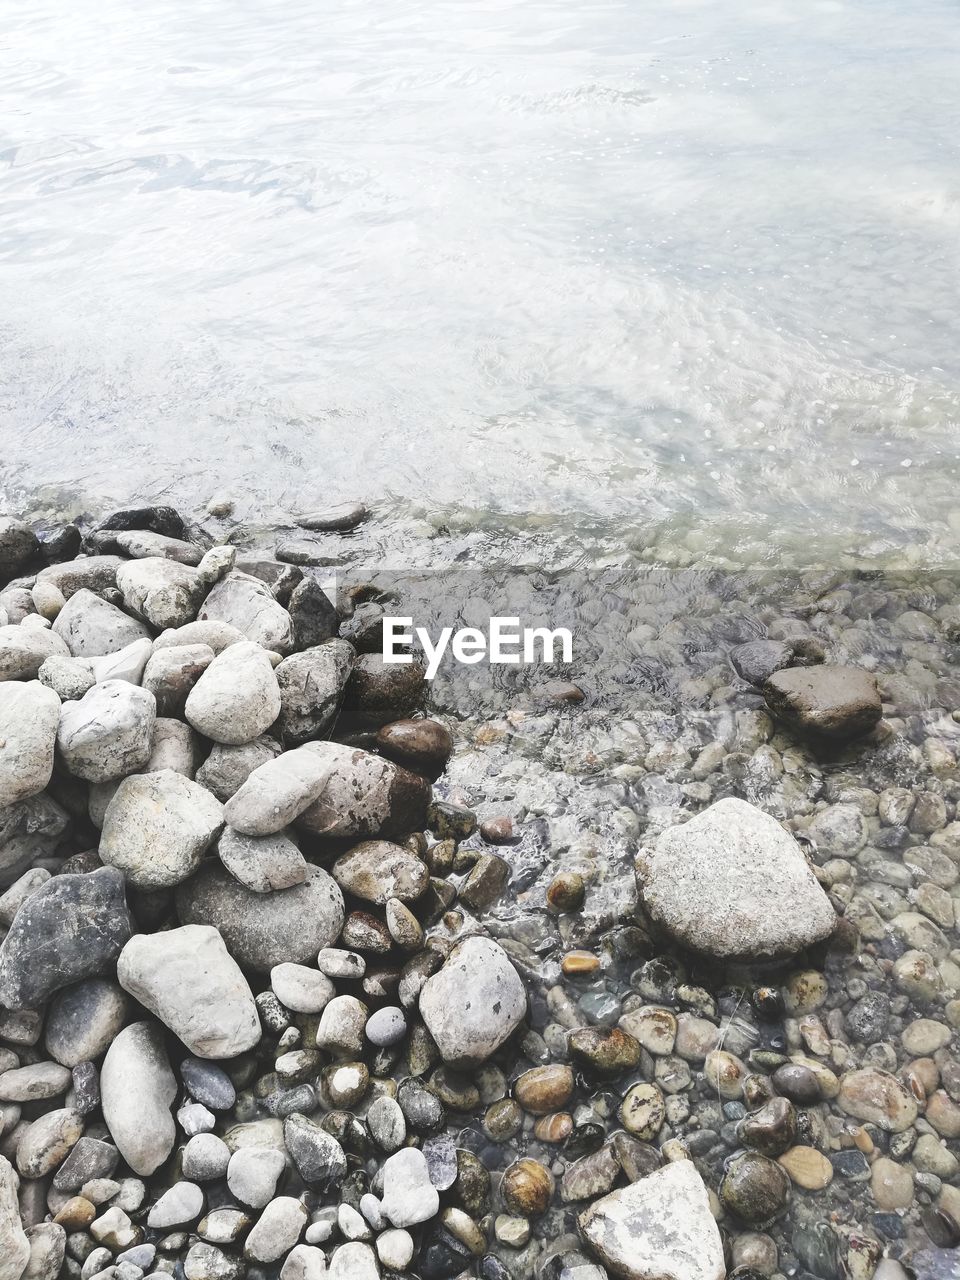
(754, 1188)
(608, 1052)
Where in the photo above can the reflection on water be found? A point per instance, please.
(672, 280)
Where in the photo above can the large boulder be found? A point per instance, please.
(137, 1089)
(237, 698)
(829, 701)
(265, 929)
(658, 1228)
(188, 979)
(73, 927)
(108, 733)
(733, 884)
(29, 716)
(157, 828)
(473, 1003)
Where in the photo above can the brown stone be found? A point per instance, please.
(527, 1188)
(544, 1089)
(423, 746)
(807, 1167)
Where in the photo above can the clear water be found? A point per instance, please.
(667, 280)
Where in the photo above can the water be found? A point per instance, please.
(668, 282)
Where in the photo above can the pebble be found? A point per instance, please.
(301, 989)
(527, 1188)
(178, 1207)
(276, 1231)
(409, 1196)
(807, 1167)
(395, 1249)
(205, 1158)
(138, 1089)
(473, 1003)
(262, 864)
(878, 1098)
(754, 1189)
(253, 1174)
(891, 1184)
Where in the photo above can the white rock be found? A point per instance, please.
(247, 604)
(395, 1249)
(127, 664)
(175, 746)
(139, 543)
(304, 1263)
(24, 650)
(14, 1246)
(277, 1230)
(253, 1173)
(237, 698)
(69, 678)
(733, 884)
(163, 592)
(188, 979)
(92, 573)
(474, 1003)
(409, 1197)
(226, 769)
(157, 828)
(354, 1261)
(312, 685)
(205, 1158)
(138, 1089)
(108, 733)
(263, 864)
(218, 635)
(29, 716)
(280, 789)
(658, 1228)
(90, 626)
(341, 1027)
(180, 1205)
(302, 990)
(172, 674)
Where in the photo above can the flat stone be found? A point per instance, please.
(139, 543)
(188, 979)
(208, 1083)
(277, 1230)
(757, 660)
(263, 930)
(138, 1089)
(473, 1003)
(423, 746)
(91, 627)
(128, 663)
(312, 685)
(364, 795)
(108, 733)
(376, 870)
(253, 1174)
(831, 701)
(301, 989)
(733, 884)
(340, 517)
(659, 1228)
(237, 698)
(34, 1081)
(29, 717)
(83, 1020)
(280, 789)
(45, 1144)
(92, 573)
(180, 1205)
(262, 864)
(72, 928)
(216, 635)
(157, 828)
(91, 1161)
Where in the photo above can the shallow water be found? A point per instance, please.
(656, 281)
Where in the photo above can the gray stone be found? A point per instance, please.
(277, 1230)
(18, 546)
(33, 1081)
(29, 830)
(126, 664)
(108, 733)
(237, 698)
(92, 573)
(659, 1228)
(386, 1027)
(409, 1197)
(205, 1158)
(353, 1261)
(226, 769)
(48, 1244)
(157, 828)
(339, 517)
(263, 930)
(365, 795)
(69, 678)
(45, 1144)
(317, 1154)
(172, 673)
(24, 650)
(281, 789)
(247, 604)
(216, 635)
(253, 1173)
(376, 870)
(386, 1123)
(140, 543)
(834, 702)
(138, 1089)
(304, 1263)
(188, 979)
(91, 1160)
(161, 591)
(91, 627)
(208, 1083)
(262, 864)
(29, 716)
(474, 1003)
(341, 1027)
(312, 685)
(14, 1245)
(72, 928)
(733, 884)
(878, 1098)
(175, 746)
(177, 1207)
(25, 887)
(300, 989)
(206, 1262)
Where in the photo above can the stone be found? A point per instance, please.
(253, 1174)
(339, 517)
(409, 1197)
(108, 734)
(659, 1228)
(208, 1083)
(127, 664)
(237, 698)
(878, 1098)
(226, 769)
(867, 1020)
(304, 1262)
(422, 746)
(733, 884)
(757, 660)
(754, 1189)
(606, 1051)
(18, 546)
(180, 1205)
(486, 881)
(643, 1111)
(314, 617)
(592, 1175)
(891, 1184)
(34, 1081)
(175, 746)
(69, 678)
(138, 1089)
(157, 828)
(14, 1245)
(319, 1157)
(264, 930)
(341, 1027)
(45, 1144)
(90, 626)
(18, 893)
(206, 1262)
(655, 1030)
(215, 635)
(386, 1027)
(386, 1123)
(771, 1129)
(90, 1163)
(830, 701)
(474, 1003)
(527, 1188)
(172, 673)
(277, 1230)
(312, 685)
(161, 591)
(83, 1021)
(301, 989)
(248, 604)
(95, 573)
(140, 543)
(376, 870)
(403, 926)
(262, 864)
(29, 717)
(188, 979)
(24, 650)
(72, 928)
(364, 795)
(807, 1167)
(380, 693)
(354, 1261)
(279, 790)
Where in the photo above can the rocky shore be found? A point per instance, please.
(300, 978)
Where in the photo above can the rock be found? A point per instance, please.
(48, 1243)
(487, 881)
(409, 1197)
(18, 893)
(317, 1154)
(280, 789)
(733, 884)
(24, 650)
(29, 716)
(386, 1027)
(422, 746)
(877, 1097)
(92, 573)
(177, 1207)
(341, 1027)
(643, 1111)
(834, 702)
(754, 1189)
(46, 1143)
(253, 1174)
(277, 1230)
(138, 1089)
(386, 1123)
(188, 979)
(891, 1184)
(527, 1188)
(247, 604)
(312, 685)
(376, 870)
(36, 1080)
(108, 733)
(474, 1003)
(18, 546)
(592, 1175)
(175, 746)
(171, 674)
(807, 1167)
(771, 1129)
(380, 693)
(157, 828)
(757, 660)
(128, 663)
(237, 698)
(262, 864)
(14, 1246)
(226, 769)
(867, 1019)
(659, 1228)
(543, 1090)
(566, 892)
(140, 543)
(163, 520)
(263, 930)
(205, 1158)
(162, 592)
(72, 928)
(69, 678)
(215, 635)
(304, 1262)
(354, 1261)
(364, 795)
(208, 1083)
(606, 1051)
(403, 926)
(205, 1262)
(90, 626)
(89, 1161)
(340, 517)
(302, 990)
(314, 617)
